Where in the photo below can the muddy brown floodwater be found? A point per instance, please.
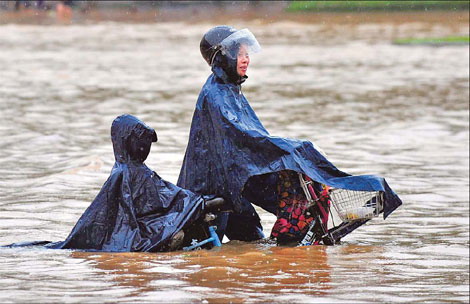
(374, 107)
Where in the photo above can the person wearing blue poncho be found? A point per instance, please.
(137, 210)
(231, 154)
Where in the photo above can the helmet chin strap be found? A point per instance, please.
(213, 56)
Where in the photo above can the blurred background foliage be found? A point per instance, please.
(296, 6)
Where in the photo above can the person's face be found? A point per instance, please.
(243, 60)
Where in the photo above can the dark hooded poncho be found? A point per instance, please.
(229, 149)
(135, 210)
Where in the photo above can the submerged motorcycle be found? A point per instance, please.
(333, 218)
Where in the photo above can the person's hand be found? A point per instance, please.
(216, 205)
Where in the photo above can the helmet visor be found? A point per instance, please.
(231, 45)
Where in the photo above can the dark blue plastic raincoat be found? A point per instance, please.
(135, 210)
(228, 147)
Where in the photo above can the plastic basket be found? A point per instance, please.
(356, 205)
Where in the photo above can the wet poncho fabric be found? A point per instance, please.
(229, 148)
(135, 210)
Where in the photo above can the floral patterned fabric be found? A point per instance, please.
(293, 216)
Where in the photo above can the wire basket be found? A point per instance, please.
(356, 205)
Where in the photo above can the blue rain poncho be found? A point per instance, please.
(229, 149)
(135, 210)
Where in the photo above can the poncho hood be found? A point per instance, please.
(131, 139)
